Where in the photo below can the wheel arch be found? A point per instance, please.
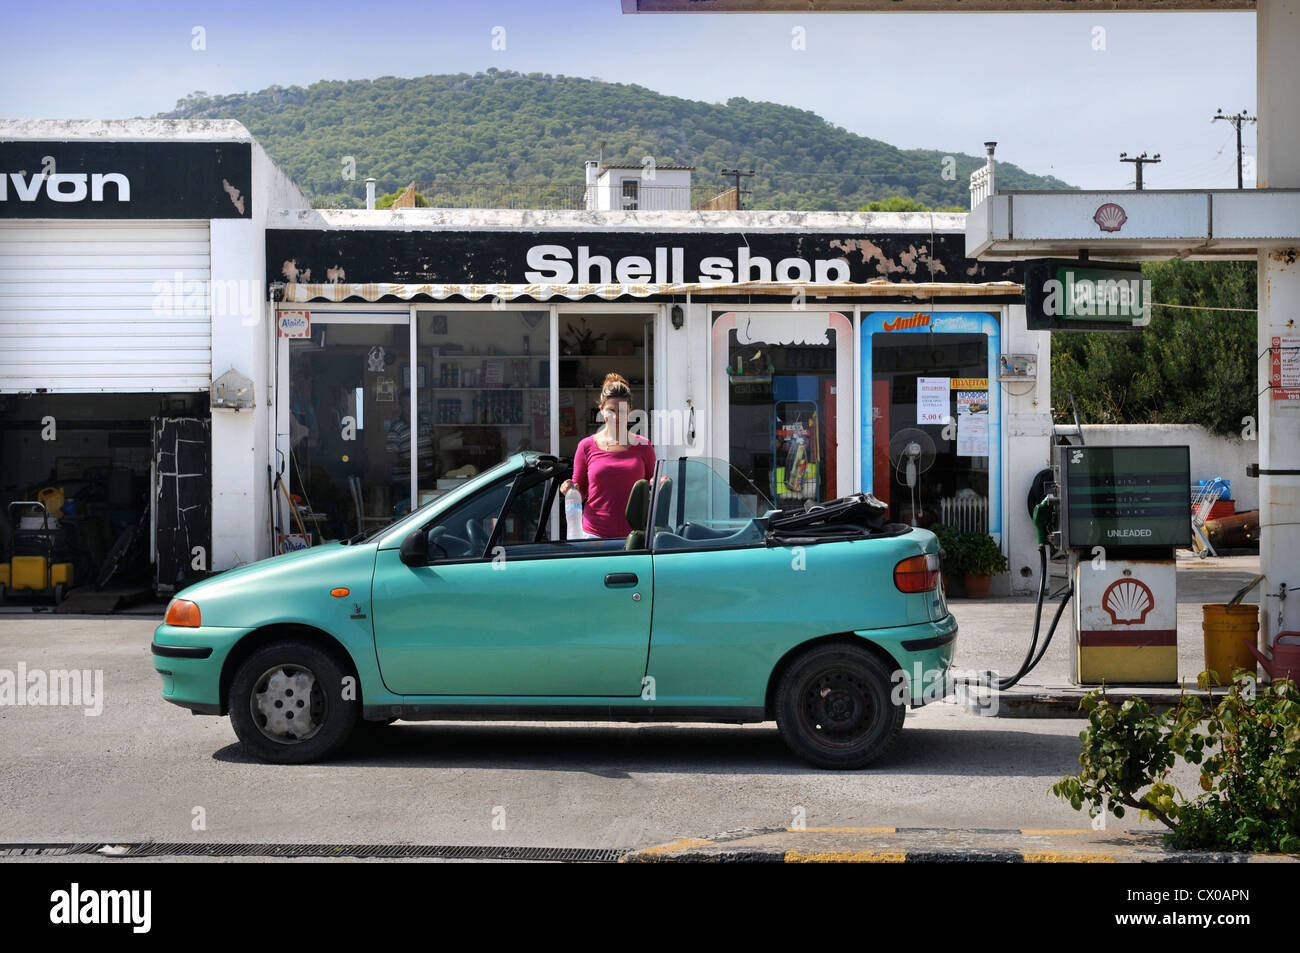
(254, 640)
(840, 638)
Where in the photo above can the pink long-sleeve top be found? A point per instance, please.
(605, 479)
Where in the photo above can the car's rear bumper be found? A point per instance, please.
(923, 655)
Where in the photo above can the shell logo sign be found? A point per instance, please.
(1128, 601)
(1110, 217)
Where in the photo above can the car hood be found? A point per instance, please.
(268, 587)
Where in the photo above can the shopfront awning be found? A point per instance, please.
(375, 291)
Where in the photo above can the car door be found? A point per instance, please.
(503, 609)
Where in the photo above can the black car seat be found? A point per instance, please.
(638, 508)
(663, 500)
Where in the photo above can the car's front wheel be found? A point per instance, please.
(835, 707)
(288, 703)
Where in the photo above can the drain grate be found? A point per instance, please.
(445, 852)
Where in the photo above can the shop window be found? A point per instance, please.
(484, 392)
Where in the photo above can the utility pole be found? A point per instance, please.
(1236, 121)
(736, 173)
(1139, 161)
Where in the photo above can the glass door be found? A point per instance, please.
(931, 417)
(783, 401)
(349, 436)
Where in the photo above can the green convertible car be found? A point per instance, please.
(717, 608)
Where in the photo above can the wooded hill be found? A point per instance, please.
(500, 126)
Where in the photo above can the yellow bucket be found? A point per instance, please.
(1228, 630)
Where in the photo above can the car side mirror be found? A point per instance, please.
(415, 548)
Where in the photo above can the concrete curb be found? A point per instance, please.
(1063, 701)
(912, 845)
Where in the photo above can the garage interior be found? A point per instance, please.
(107, 517)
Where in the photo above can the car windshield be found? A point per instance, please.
(416, 517)
(705, 499)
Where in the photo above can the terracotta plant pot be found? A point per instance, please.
(977, 587)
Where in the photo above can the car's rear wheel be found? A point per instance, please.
(835, 707)
(287, 704)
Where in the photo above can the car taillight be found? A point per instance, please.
(183, 612)
(917, 574)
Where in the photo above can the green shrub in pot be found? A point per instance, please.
(980, 559)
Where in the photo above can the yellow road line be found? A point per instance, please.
(685, 843)
(1056, 857)
(846, 857)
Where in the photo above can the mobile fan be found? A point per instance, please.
(911, 453)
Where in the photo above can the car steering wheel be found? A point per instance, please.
(477, 538)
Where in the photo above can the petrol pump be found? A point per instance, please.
(1120, 512)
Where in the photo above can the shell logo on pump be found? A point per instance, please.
(1128, 601)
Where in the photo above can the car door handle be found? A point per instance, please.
(621, 579)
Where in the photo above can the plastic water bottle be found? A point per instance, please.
(573, 514)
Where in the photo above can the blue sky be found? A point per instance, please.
(1036, 83)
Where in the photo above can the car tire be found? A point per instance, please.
(835, 707)
(287, 704)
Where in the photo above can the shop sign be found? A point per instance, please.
(80, 179)
(293, 324)
(590, 256)
(1069, 295)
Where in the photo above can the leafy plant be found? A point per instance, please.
(584, 341)
(1249, 752)
(978, 554)
(949, 546)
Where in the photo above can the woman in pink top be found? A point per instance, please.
(608, 463)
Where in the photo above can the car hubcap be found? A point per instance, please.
(838, 708)
(288, 704)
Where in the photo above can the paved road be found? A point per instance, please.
(140, 769)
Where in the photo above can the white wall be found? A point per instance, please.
(1211, 455)
(242, 339)
(1026, 429)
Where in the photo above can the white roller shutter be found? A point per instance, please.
(104, 306)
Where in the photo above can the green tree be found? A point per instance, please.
(386, 201)
(898, 203)
(1190, 365)
(503, 126)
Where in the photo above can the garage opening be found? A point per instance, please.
(106, 497)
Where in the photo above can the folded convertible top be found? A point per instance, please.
(859, 516)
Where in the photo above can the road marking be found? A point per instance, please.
(846, 857)
(1056, 857)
